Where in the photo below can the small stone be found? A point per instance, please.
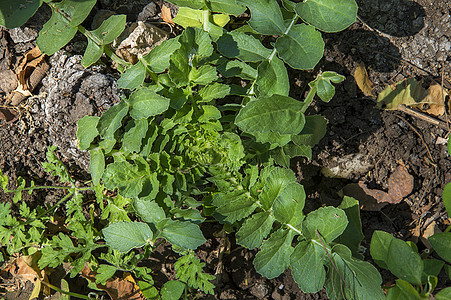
(259, 290)
(23, 35)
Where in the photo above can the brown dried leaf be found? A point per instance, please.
(362, 80)
(400, 185)
(434, 100)
(166, 14)
(369, 199)
(428, 232)
(9, 115)
(118, 288)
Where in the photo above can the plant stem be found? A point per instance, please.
(309, 99)
(64, 292)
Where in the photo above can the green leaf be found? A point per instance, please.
(59, 30)
(110, 29)
(289, 203)
(237, 68)
(127, 178)
(254, 230)
(302, 48)
(87, 131)
(15, 13)
(444, 294)
(432, 267)
(157, 59)
(328, 15)
(407, 291)
(361, 279)
(234, 206)
(278, 180)
(188, 17)
(330, 222)
(404, 262)
(325, 89)
(188, 268)
(172, 290)
(213, 91)
(353, 235)
(111, 120)
(148, 290)
(277, 113)
(149, 211)
(307, 266)
(380, 243)
(124, 236)
(441, 242)
(243, 46)
(272, 78)
(266, 17)
(183, 234)
(230, 7)
(96, 164)
(203, 75)
(447, 197)
(135, 131)
(196, 4)
(274, 257)
(133, 77)
(105, 272)
(313, 131)
(145, 103)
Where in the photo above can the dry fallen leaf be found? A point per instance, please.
(166, 14)
(428, 232)
(408, 92)
(9, 115)
(434, 104)
(118, 288)
(400, 185)
(362, 80)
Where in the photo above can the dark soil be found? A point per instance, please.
(396, 39)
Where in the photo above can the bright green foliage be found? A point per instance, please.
(442, 244)
(172, 290)
(188, 269)
(16, 13)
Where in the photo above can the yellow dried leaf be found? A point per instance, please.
(362, 80)
(166, 14)
(408, 92)
(434, 100)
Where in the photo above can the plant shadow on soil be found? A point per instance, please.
(354, 126)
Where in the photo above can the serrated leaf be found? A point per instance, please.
(183, 234)
(213, 91)
(203, 75)
(277, 181)
(111, 120)
(302, 48)
(15, 13)
(272, 78)
(133, 77)
(105, 272)
(254, 230)
(210, 113)
(145, 103)
(277, 113)
(128, 178)
(157, 59)
(313, 131)
(307, 266)
(330, 222)
(96, 164)
(149, 211)
(237, 68)
(441, 242)
(289, 202)
(234, 206)
(135, 131)
(59, 30)
(240, 45)
(328, 15)
(266, 17)
(87, 131)
(404, 262)
(230, 7)
(274, 257)
(188, 269)
(362, 280)
(124, 236)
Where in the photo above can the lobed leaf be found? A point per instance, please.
(145, 103)
(124, 236)
(87, 131)
(254, 230)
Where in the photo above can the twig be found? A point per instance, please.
(421, 137)
(424, 117)
(443, 95)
